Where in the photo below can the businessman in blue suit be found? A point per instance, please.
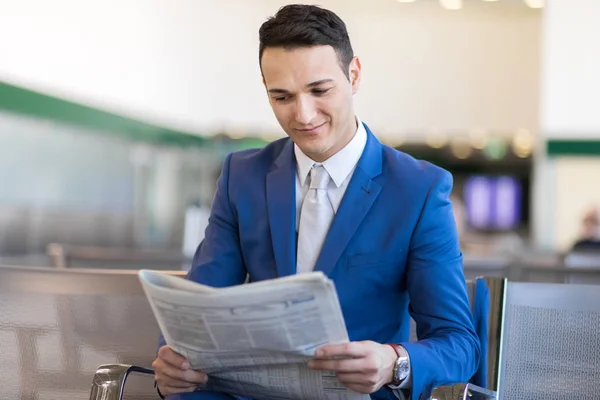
(332, 198)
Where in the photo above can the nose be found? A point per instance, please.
(306, 110)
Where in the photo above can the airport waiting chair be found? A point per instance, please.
(57, 326)
(548, 343)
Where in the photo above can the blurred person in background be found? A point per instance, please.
(332, 198)
(589, 236)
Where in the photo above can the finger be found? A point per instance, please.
(169, 356)
(352, 349)
(347, 365)
(162, 370)
(175, 383)
(168, 390)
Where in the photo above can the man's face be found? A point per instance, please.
(311, 97)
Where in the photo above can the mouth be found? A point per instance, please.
(313, 130)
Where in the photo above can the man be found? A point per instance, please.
(332, 198)
(589, 240)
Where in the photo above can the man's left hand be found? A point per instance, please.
(361, 366)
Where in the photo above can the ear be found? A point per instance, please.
(355, 73)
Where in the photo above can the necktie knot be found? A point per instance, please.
(319, 178)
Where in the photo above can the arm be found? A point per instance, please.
(218, 261)
(448, 351)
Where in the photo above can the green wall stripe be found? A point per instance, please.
(563, 147)
(27, 102)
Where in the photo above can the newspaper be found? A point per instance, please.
(253, 340)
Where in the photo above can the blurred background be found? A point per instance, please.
(115, 117)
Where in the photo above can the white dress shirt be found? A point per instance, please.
(340, 167)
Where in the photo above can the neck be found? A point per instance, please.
(350, 132)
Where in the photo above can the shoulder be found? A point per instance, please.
(416, 173)
(256, 159)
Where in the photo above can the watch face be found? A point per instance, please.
(402, 370)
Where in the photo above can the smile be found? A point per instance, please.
(311, 130)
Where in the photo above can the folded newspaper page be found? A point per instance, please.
(253, 340)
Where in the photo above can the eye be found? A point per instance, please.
(320, 92)
(281, 98)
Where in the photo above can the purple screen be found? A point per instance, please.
(493, 202)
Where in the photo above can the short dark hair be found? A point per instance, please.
(300, 25)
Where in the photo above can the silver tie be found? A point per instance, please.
(315, 218)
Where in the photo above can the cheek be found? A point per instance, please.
(325, 107)
(332, 105)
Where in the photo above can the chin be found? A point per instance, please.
(314, 152)
(312, 145)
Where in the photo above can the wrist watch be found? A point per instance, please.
(401, 367)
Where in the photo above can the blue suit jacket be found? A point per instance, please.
(392, 249)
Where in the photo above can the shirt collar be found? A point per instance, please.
(341, 164)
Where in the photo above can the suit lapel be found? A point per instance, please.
(281, 203)
(360, 195)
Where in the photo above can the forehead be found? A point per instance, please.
(299, 66)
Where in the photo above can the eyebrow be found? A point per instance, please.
(310, 85)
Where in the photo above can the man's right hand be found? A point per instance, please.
(173, 373)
